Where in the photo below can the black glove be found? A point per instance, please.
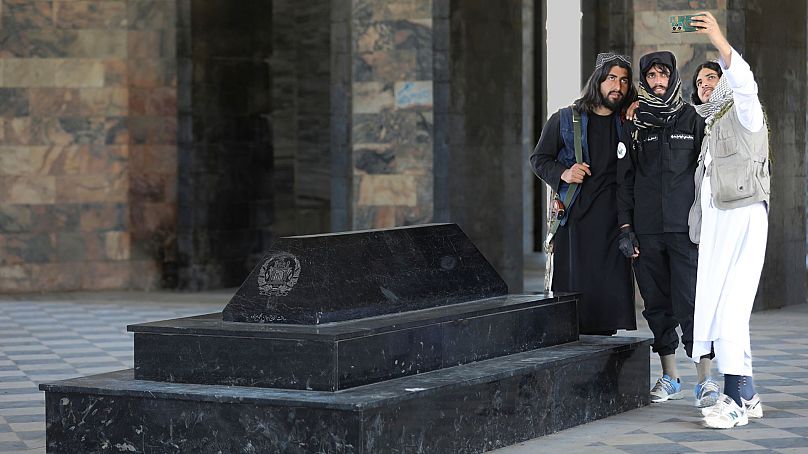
(627, 241)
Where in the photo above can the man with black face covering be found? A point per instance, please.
(655, 193)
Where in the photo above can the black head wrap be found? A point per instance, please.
(657, 110)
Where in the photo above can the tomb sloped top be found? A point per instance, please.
(326, 278)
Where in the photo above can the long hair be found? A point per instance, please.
(591, 97)
(710, 65)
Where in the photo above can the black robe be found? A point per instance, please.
(586, 257)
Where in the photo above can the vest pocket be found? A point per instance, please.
(724, 148)
(735, 180)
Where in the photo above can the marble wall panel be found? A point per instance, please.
(28, 189)
(392, 122)
(15, 218)
(106, 14)
(115, 74)
(54, 218)
(55, 276)
(15, 278)
(75, 78)
(381, 190)
(26, 248)
(14, 102)
(92, 188)
(78, 159)
(151, 14)
(103, 216)
(105, 275)
(20, 14)
(15, 131)
(54, 101)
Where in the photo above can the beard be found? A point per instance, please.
(615, 105)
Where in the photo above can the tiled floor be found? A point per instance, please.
(51, 337)
(780, 350)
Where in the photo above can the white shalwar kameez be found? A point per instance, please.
(731, 251)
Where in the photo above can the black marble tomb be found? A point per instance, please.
(432, 355)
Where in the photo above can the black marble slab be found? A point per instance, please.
(341, 355)
(333, 277)
(463, 409)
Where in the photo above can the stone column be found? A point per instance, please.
(151, 79)
(776, 47)
(301, 77)
(65, 157)
(226, 181)
(436, 119)
(485, 162)
(392, 116)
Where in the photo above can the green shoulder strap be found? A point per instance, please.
(576, 123)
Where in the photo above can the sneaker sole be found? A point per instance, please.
(738, 423)
(674, 396)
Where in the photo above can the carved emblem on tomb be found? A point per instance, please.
(278, 274)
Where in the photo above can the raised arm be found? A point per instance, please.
(737, 71)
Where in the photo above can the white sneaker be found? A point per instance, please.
(725, 414)
(754, 409)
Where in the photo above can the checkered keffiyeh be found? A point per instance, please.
(719, 99)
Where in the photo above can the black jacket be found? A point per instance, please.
(655, 187)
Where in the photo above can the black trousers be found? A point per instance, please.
(666, 275)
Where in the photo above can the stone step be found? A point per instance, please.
(463, 409)
(335, 356)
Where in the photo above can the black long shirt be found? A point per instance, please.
(655, 177)
(602, 139)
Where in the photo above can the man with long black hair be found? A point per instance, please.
(585, 245)
(656, 190)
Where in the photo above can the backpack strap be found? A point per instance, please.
(556, 222)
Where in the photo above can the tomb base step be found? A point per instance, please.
(463, 409)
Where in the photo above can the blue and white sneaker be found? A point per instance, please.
(666, 389)
(707, 393)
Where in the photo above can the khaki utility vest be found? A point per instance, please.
(739, 172)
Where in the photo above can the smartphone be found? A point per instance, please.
(681, 24)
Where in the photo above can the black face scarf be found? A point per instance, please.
(658, 111)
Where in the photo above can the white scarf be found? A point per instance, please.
(720, 99)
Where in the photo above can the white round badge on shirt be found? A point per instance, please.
(621, 150)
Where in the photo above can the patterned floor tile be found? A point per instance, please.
(94, 340)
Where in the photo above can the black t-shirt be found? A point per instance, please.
(602, 142)
(601, 136)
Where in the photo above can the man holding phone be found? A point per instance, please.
(655, 192)
(729, 219)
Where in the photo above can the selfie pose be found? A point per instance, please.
(585, 243)
(655, 193)
(729, 220)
